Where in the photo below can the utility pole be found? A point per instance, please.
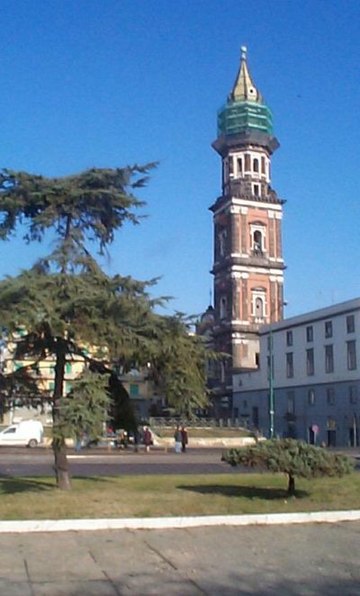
(271, 385)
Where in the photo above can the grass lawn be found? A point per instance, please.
(173, 495)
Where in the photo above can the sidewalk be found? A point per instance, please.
(312, 560)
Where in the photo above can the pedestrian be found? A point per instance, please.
(178, 439)
(78, 443)
(184, 438)
(147, 438)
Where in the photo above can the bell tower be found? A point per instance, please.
(248, 263)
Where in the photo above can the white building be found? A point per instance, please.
(315, 380)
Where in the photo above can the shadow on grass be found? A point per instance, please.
(247, 492)
(11, 485)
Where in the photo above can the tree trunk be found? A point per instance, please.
(291, 485)
(59, 447)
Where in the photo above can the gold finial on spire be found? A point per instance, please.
(244, 88)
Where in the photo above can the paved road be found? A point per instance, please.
(306, 560)
(99, 462)
(17, 462)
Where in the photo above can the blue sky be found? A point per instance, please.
(108, 83)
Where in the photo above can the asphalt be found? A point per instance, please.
(100, 462)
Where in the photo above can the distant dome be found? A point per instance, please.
(208, 315)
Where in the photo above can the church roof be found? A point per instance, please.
(245, 109)
(244, 88)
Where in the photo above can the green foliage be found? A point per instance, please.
(84, 409)
(291, 457)
(120, 412)
(91, 205)
(70, 309)
(82, 309)
(179, 365)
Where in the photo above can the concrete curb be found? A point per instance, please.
(158, 523)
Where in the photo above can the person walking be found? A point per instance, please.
(178, 439)
(147, 438)
(184, 438)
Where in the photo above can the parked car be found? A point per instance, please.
(28, 433)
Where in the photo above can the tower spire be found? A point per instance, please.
(244, 88)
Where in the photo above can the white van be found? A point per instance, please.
(27, 433)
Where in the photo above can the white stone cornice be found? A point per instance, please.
(248, 270)
(256, 204)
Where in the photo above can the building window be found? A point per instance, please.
(309, 333)
(311, 397)
(289, 338)
(331, 423)
(258, 304)
(310, 367)
(222, 242)
(223, 307)
(256, 165)
(263, 168)
(222, 372)
(257, 242)
(353, 395)
(350, 323)
(330, 396)
(256, 190)
(68, 368)
(239, 166)
(329, 359)
(247, 162)
(290, 405)
(351, 355)
(259, 308)
(134, 389)
(289, 365)
(231, 165)
(328, 329)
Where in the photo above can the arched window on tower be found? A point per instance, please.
(257, 238)
(263, 169)
(239, 167)
(222, 242)
(258, 304)
(257, 242)
(256, 165)
(259, 308)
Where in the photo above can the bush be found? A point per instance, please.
(291, 457)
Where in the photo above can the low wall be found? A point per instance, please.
(216, 442)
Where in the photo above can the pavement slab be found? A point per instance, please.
(301, 560)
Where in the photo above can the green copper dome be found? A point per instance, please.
(245, 108)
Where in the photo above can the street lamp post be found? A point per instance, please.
(272, 380)
(271, 386)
